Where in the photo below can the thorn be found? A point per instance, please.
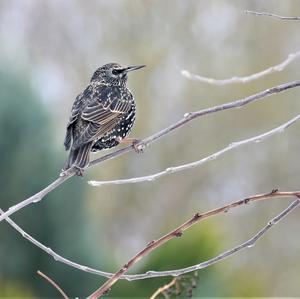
(246, 200)
(107, 291)
(178, 234)
(197, 216)
(150, 243)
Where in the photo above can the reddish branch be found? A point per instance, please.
(54, 284)
(177, 232)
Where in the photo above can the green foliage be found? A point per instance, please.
(196, 245)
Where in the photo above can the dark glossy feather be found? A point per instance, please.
(101, 116)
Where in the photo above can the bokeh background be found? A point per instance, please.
(49, 49)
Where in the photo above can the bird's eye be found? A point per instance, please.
(116, 72)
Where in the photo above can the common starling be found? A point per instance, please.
(102, 115)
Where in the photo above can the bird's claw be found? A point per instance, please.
(79, 171)
(138, 146)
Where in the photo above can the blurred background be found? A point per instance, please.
(49, 50)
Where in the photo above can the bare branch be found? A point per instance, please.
(164, 288)
(52, 253)
(268, 14)
(179, 231)
(197, 163)
(152, 274)
(53, 284)
(187, 118)
(220, 82)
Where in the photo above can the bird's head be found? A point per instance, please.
(113, 74)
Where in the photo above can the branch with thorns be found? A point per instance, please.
(177, 232)
(152, 274)
(195, 219)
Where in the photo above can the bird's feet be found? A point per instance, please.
(137, 144)
(78, 171)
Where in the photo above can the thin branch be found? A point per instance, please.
(268, 14)
(186, 118)
(179, 231)
(54, 284)
(150, 274)
(164, 288)
(220, 82)
(52, 253)
(183, 167)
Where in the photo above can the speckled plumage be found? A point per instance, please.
(101, 116)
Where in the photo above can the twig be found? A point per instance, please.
(53, 283)
(179, 231)
(187, 118)
(220, 82)
(164, 288)
(52, 253)
(183, 167)
(152, 274)
(268, 14)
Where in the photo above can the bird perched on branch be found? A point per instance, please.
(102, 115)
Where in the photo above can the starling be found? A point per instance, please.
(101, 117)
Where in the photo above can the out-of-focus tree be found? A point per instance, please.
(28, 161)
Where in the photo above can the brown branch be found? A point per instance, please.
(177, 232)
(149, 274)
(164, 288)
(268, 14)
(54, 284)
(187, 118)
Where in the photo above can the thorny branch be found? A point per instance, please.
(183, 167)
(151, 274)
(268, 14)
(276, 68)
(179, 231)
(186, 118)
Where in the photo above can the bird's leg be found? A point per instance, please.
(136, 143)
(79, 171)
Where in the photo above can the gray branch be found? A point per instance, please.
(186, 118)
(268, 14)
(248, 244)
(245, 79)
(197, 163)
(151, 274)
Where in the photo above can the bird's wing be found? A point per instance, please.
(73, 117)
(79, 103)
(103, 113)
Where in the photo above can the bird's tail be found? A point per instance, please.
(79, 157)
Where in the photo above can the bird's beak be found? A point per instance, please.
(133, 68)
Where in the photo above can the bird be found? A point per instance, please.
(101, 117)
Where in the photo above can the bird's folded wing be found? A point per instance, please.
(101, 119)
